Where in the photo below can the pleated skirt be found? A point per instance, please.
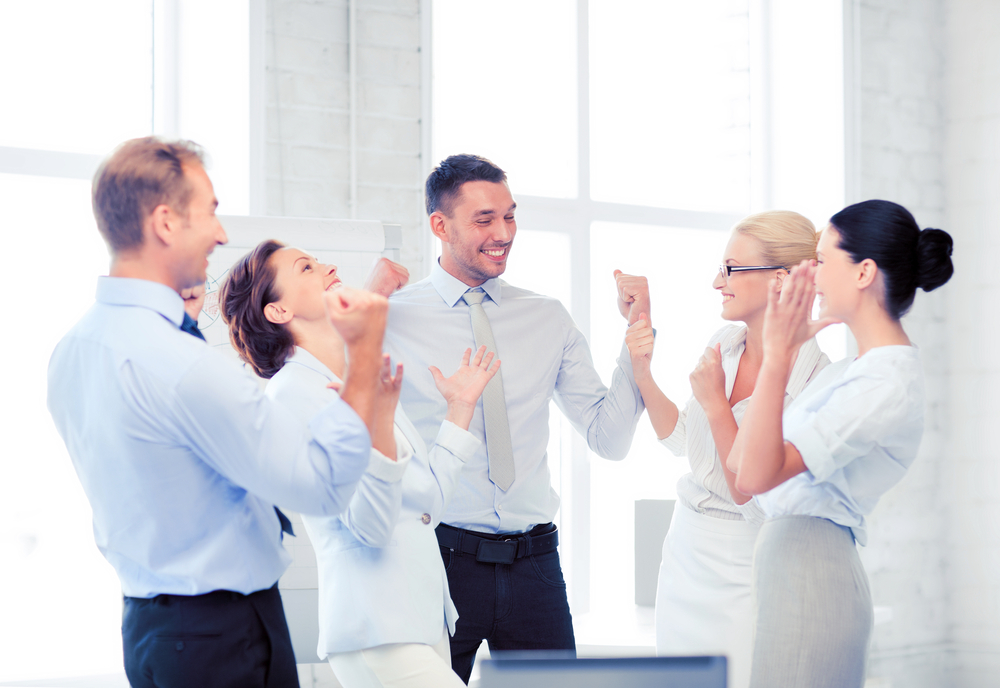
(812, 606)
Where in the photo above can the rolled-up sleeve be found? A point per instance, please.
(835, 434)
(676, 441)
(310, 467)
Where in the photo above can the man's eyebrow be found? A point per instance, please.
(512, 206)
(489, 211)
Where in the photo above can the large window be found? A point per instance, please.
(78, 79)
(635, 133)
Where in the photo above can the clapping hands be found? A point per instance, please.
(463, 389)
(788, 320)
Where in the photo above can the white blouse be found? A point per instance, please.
(704, 489)
(858, 428)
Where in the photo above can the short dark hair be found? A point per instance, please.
(138, 176)
(247, 289)
(907, 256)
(444, 182)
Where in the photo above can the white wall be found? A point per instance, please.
(901, 152)
(308, 112)
(930, 139)
(972, 169)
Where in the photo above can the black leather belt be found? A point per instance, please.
(499, 549)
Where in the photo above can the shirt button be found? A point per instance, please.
(426, 518)
(180, 646)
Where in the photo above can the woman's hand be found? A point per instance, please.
(386, 399)
(788, 320)
(708, 381)
(639, 340)
(463, 389)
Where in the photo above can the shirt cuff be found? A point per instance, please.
(462, 443)
(815, 453)
(385, 469)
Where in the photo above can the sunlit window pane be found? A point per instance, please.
(77, 76)
(62, 616)
(670, 103)
(680, 265)
(505, 87)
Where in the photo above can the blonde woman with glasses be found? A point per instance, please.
(703, 600)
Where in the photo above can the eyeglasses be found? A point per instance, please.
(727, 270)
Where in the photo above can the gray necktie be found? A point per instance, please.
(498, 446)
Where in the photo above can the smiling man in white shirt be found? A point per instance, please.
(181, 456)
(497, 537)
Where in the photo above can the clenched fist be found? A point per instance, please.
(358, 315)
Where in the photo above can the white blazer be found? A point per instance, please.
(381, 578)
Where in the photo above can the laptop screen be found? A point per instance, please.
(633, 672)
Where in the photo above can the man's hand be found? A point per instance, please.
(194, 299)
(386, 277)
(463, 389)
(359, 316)
(383, 437)
(633, 296)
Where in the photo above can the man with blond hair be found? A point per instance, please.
(181, 456)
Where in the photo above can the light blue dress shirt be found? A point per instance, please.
(180, 453)
(544, 356)
(858, 427)
(381, 577)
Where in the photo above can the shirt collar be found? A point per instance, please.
(126, 291)
(302, 357)
(451, 289)
(734, 345)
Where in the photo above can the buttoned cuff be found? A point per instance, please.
(385, 469)
(462, 443)
(814, 451)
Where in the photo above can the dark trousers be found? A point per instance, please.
(220, 639)
(517, 606)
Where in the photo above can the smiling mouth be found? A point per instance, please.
(496, 254)
(726, 298)
(335, 284)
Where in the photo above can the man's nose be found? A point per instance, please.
(502, 232)
(221, 238)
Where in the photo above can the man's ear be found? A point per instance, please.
(438, 220)
(780, 275)
(867, 272)
(276, 313)
(163, 224)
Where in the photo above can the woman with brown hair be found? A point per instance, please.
(385, 609)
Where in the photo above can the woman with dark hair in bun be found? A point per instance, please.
(819, 467)
(385, 612)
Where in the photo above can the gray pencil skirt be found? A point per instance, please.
(812, 606)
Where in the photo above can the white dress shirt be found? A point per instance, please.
(181, 455)
(858, 428)
(544, 356)
(704, 489)
(382, 580)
